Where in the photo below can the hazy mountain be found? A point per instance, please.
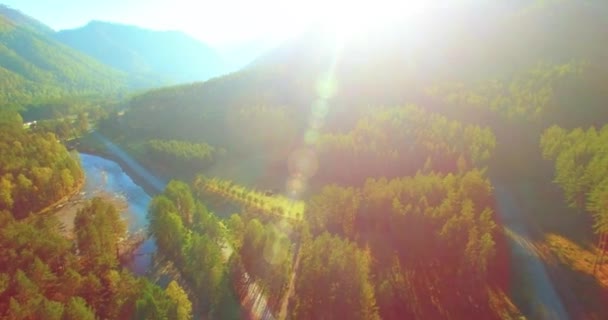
(21, 20)
(394, 65)
(158, 56)
(34, 65)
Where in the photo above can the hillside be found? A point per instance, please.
(160, 57)
(33, 65)
(464, 50)
(21, 20)
(415, 149)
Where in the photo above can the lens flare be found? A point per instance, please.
(320, 108)
(296, 185)
(311, 137)
(327, 87)
(316, 123)
(303, 162)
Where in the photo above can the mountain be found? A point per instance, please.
(21, 20)
(398, 64)
(165, 56)
(33, 65)
(471, 67)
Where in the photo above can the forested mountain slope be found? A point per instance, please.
(33, 65)
(448, 60)
(24, 21)
(37, 63)
(454, 45)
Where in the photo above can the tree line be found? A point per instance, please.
(221, 262)
(195, 156)
(193, 240)
(265, 202)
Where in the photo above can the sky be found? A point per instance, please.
(225, 23)
(220, 22)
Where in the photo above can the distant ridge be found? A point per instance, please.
(20, 19)
(168, 56)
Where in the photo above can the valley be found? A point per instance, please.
(451, 165)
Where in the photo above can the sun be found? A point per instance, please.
(357, 19)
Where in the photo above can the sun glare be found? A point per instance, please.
(357, 19)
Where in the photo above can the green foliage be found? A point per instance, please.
(179, 193)
(177, 133)
(204, 267)
(428, 234)
(266, 257)
(397, 141)
(580, 159)
(236, 225)
(156, 304)
(335, 210)
(184, 141)
(334, 281)
(528, 95)
(273, 205)
(166, 226)
(43, 277)
(196, 156)
(598, 206)
(182, 309)
(77, 309)
(35, 169)
(419, 247)
(189, 112)
(98, 228)
(33, 66)
(192, 238)
(260, 128)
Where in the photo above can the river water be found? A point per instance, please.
(104, 176)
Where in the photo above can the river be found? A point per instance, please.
(116, 181)
(104, 176)
(545, 302)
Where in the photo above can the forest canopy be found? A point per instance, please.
(339, 175)
(42, 276)
(36, 170)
